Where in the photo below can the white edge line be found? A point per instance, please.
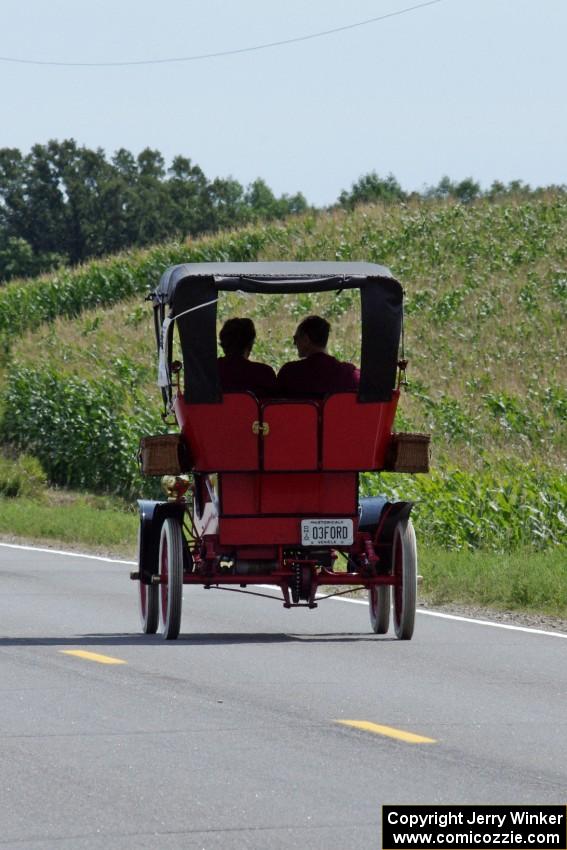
(67, 553)
(468, 620)
(527, 629)
(472, 620)
(438, 614)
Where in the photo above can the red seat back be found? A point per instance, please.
(292, 441)
(221, 436)
(239, 434)
(356, 434)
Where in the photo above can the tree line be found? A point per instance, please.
(371, 188)
(62, 204)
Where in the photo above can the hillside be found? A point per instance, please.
(486, 294)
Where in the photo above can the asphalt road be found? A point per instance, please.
(228, 738)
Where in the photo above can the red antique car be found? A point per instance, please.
(265, 491)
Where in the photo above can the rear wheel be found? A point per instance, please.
(404, 562)
(171, 578)
(148, 597)
(379, 608)
(149, 607)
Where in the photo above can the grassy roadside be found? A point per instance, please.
(524, 580)
(82, 522)
(521, 580)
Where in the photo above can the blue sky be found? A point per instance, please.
(463, 87)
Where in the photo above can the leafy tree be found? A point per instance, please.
(293, 204)
(17, 259)
(228, 203)
(497, 190)
(12, 170)
(444, 189)
(39, 216)
(61, 201)
(146, 207)
(91, 202)
(467, 190)
(264, 204)
(261, 200)
(192, 208)
(371, 188)
(464, 191)
(125, 164)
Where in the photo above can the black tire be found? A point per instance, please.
(379, 608)
(149, 607)
(171, 575)
(148, 600)
(404, 568)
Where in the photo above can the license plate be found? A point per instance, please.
(326, 532)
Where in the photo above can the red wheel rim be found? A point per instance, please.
(164, 579)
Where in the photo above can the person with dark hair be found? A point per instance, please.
(237, 372)
(316, 373)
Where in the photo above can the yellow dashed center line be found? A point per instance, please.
(388, 731)
(92, 656)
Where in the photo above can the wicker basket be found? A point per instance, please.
(165, 454)
(408, 453)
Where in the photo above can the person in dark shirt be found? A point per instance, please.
(236, 371)
(316, 373)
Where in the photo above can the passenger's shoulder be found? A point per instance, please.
(288, 367)
(349, 367)
(262, 367)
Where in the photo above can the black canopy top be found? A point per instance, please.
(184, 288)
(272, 278)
